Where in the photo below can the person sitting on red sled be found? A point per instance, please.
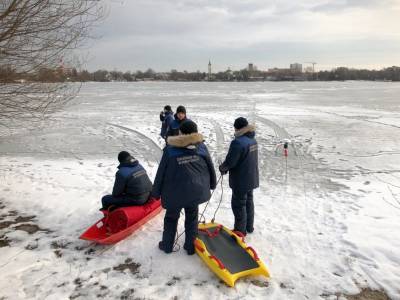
(132, 184)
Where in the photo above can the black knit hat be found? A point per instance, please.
(181, 109)
(167, 108)
(240, 123)
(124, 156)
(188, 127)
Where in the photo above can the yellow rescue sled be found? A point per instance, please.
(226, 254)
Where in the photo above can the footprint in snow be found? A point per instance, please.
(260, 283)
(173, 281)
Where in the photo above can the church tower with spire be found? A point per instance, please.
(209, 70)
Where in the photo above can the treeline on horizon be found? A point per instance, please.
(62, 74)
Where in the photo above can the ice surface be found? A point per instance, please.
(327, 223)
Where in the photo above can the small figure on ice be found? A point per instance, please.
(166, 117)
(242, 164)
(132, 184)
(184, 179)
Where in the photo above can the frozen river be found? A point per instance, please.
(327, 218)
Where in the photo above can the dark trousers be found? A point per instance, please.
(243, 210)
(171, 223)
(125, 200)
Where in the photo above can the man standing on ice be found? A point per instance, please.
(242, 164)
(184, 179)
(180, 117)
(132, 185)
(166, 117)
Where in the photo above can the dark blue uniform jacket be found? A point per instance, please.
(186, 173)
(166, 120)
(131, 179)
(242, 161)
(173, 129)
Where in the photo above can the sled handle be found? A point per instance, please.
(239, 234)
(212, 234)
(220, 264)
(255, 256)
(198, 247)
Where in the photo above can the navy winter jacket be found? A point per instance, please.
(131, 179)
(166, 120)
(242, 161)
(173, 129)
(185, 174)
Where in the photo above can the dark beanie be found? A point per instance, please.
(167, 108)
(240, 123)
(181, 109)
(188, 127)
(123, 156)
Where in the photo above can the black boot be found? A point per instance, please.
(189, 249)
(163, 248)
(250, 230)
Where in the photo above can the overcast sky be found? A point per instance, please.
(185, 34)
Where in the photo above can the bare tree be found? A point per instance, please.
(37, 35)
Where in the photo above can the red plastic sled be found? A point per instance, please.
(120, 223)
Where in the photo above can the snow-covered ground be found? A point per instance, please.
(327, 224)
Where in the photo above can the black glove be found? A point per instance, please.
(222, 169)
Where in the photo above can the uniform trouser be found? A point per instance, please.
(125, 200)
(243, 210)
(171, 223)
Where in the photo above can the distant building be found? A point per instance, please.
(251, 67)
(308, 69)
(279, 74)
(279, 71)
(296, 68)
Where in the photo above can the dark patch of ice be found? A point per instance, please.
(173, 281)
(29, 228)
(127, 294)
(4, 242)
(21, 219)
(130, 265)
(368, 294)
(61, 244)
(260, 283)
(58, 253)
